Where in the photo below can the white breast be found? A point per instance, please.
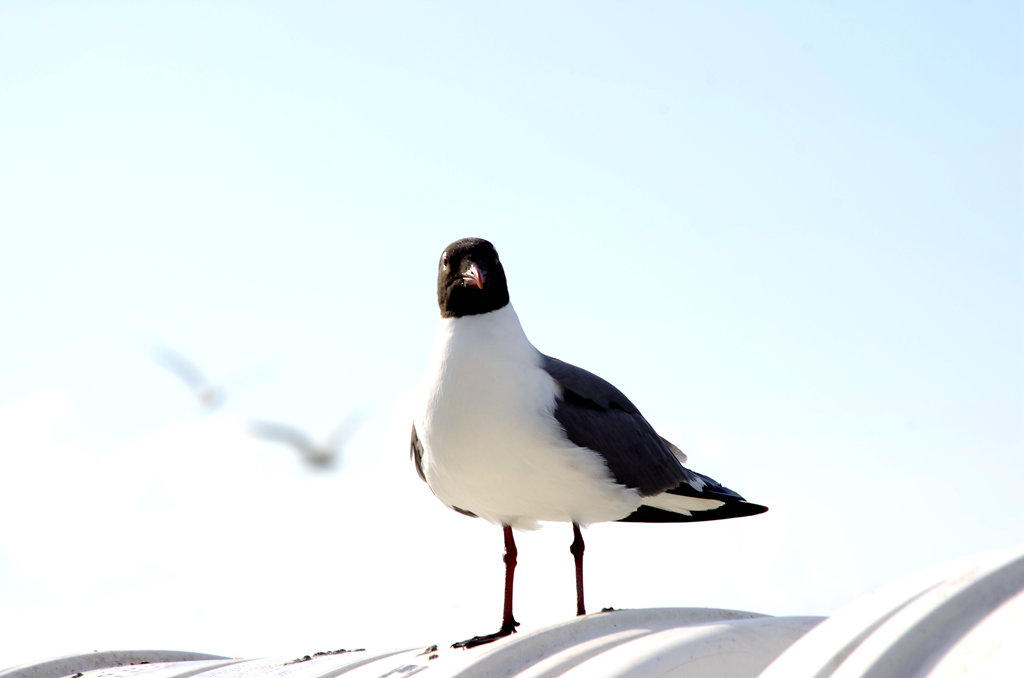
(490, 443)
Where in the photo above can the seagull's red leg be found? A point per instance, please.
(508, 623)
(576, 549)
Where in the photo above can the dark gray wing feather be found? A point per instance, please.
(416, 452)
(596, 415)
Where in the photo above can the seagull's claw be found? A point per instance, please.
(507, 629)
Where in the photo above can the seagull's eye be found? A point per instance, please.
(444, 260)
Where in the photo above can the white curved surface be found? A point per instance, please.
(959, 619)
(929, 624)
(650, 642)
(993, 646)
(78, 663)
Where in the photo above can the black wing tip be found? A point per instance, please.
(736, 509)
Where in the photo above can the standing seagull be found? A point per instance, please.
(513, 436)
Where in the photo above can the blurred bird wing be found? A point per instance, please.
(344, 430)
(185, 369)
(281, 433)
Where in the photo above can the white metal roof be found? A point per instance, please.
(960, 619)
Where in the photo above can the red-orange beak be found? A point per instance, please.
(474, 276)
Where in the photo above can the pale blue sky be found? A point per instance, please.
(791, 234)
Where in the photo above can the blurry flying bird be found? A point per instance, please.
(210, 395)
(320, 455)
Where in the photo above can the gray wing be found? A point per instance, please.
(345, 429)
(182, 367)
(282, 433)
(416, 453)
(596, 415)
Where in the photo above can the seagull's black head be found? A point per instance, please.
(470, 279)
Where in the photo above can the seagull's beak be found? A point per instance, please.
(474, 276)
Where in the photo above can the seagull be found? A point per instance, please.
(516, 437)
(210, 396)
(318, 454)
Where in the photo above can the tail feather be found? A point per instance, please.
(697, 498)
